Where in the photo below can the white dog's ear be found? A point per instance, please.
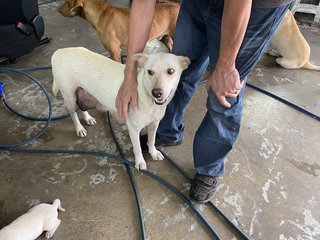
(141, 58)
(184, 62)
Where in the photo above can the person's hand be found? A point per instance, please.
(127, 94)
(225, 82)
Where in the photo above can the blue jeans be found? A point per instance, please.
(198, 37)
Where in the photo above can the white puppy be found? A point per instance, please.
(289, 45)
(29, 226)
(92, 81)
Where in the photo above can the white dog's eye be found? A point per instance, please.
(170, 71)
(150, 72)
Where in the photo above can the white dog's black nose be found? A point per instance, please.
(157, 92)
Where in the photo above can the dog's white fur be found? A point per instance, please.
(289, 45)
(29, 226)
(102, 77)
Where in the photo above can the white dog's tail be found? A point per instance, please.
(55, 88)
(309, 65)
(57, 204)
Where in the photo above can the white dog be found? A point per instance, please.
(289, 45)
(29, 226)
(92, 81)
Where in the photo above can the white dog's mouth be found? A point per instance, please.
(161, 101)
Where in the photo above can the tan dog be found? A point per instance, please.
(112, 22)
(289, 45)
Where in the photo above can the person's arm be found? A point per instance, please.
(225, 79)
(140, 21)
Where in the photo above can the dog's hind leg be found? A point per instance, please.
(152, 129)
(55, 226)
(289, 63)
(89, 119)
(114, 50)
(70, 102)
(86, 101)
(81, 131)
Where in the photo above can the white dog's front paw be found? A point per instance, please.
(156, 155)
(141, 165)
(91, 121)
(81, 132)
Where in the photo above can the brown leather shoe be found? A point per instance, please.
(203, 188)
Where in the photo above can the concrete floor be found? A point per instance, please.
(270, 188)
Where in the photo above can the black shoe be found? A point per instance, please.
(158, 144)
(203, 188)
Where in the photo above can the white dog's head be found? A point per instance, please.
(162, 73)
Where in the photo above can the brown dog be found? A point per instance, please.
(112, 22)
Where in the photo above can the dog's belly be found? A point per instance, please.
(86, 101)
